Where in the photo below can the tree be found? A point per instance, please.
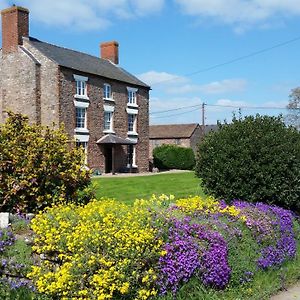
(38, 166)
(293, 116)
(255, 159)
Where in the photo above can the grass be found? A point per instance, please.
(128, 189)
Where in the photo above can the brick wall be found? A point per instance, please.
(95, 117)
(15, 25)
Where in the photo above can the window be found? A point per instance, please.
(84, 145)
(132, 96)
(81, 87)
(131, 123)
(80, 117)
(108, 120)
(107, 91)
(131, 156)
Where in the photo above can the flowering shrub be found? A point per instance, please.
(103, 250)
(107, 250)
(38, 167)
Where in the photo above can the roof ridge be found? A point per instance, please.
(69, 49)
(85, 62)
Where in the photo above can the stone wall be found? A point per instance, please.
(196, 138)
(49, 86)
(95, 118)
(19, 83)
(184, 142)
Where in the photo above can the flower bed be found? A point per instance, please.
(107, 250)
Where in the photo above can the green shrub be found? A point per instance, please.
(173, 157)
(256, 158)
(38, 166)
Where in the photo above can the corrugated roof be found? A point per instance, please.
(176, 130)
(85, 63)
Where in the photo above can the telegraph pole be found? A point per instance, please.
(203, 119)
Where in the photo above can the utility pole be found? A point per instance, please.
(203, 119)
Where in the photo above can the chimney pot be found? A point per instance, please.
(15, 25)
(110, 51)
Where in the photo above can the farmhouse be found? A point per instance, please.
(102, 106)
(185, 135)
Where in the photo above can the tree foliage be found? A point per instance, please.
(38, 166)
(255, 159)
(173, 157)
(293, 116)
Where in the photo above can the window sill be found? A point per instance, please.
(132, 105)
(132, 133)
(81, 130)
(81, 97)
(106, 131)
(109, 99)
(133, 166)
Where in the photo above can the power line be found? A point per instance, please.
(248, 107)
(168, 116)
(173, 109)
(232, 60)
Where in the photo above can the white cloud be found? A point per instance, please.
(216, 87)
(174, 84)
(228, 102)
(240, 13)
(161, 79)
(87, 15)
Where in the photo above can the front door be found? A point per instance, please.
(108, 159)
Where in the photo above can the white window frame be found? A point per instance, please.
(82, 105)
(81, 86)
(81, 119)
(134, 125)
(134, 165)
(132, 96)
(108, 121)
(106, 88)
(109, 109)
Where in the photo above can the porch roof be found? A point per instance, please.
(116, 140)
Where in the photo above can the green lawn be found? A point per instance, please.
(128, 189)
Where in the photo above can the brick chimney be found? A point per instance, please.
(15, 25)
(110, 51)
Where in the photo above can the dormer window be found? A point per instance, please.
(131, 96)
(81, 86)
(107, 91)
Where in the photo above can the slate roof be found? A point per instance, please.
(113, 139)
(176, 131)
(85, 63)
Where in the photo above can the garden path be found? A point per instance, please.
(293, 293)
(141, 174)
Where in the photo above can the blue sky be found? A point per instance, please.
(164, 41)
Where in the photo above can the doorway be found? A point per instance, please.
(108, 158)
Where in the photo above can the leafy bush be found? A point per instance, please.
(256, 158)
(38, 166)
(173, 157)
(107, 250)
